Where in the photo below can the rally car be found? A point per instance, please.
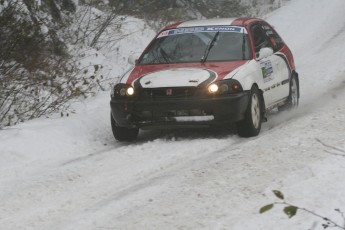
(205, 73)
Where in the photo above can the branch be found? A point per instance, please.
(291, 210)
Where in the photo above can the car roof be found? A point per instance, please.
(214, 22)
(208, 22)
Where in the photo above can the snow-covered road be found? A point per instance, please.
(69, 173)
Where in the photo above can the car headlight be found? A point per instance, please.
(122, 90)
(213, 88)
(130, 91)
(225, 87)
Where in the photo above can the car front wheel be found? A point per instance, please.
(251, 124)
(123, 133)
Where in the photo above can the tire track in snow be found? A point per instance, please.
(337, 35)
(156, 179)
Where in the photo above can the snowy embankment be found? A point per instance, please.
(69, 173)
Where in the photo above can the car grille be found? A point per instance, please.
(169, 92)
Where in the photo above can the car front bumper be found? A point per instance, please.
(163, 113)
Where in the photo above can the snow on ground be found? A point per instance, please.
(69, 173)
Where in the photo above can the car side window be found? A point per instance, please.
(275, 40)
(229, 46)
(260, 38)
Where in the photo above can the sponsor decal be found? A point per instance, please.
(268, 30)
(266, 27)
(224, 29)
(200, 29)
(267, 70)
(164, 33)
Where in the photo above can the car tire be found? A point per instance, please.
(123, 133)
(250, 126)
(293, 98)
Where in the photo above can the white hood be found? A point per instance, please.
(180, 77)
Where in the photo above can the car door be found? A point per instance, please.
(272, 66)
(282, 63)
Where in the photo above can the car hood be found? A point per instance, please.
(177, 75)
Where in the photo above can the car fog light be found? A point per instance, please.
(130, 91)
(213, 88)
(123, 92)
(224, 88)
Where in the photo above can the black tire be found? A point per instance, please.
(293, 98)
(250, 126)
(123, 133)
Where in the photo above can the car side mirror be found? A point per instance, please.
(133, 58)
(265, 52)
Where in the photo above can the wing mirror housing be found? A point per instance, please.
(265, 52)
(133, 59)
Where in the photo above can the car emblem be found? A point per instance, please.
(169, 92)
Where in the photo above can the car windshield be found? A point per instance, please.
(198, 44)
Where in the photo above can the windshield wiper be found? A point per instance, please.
(209, 47)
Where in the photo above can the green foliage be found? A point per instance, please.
(266, 208)
(290, 211)
(278, 194)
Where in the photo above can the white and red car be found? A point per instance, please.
(206, 73)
